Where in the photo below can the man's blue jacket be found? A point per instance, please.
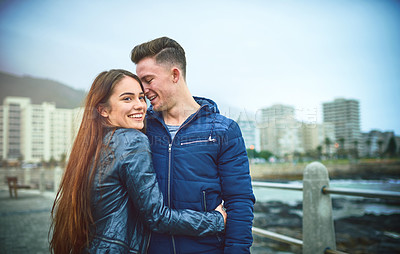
(206, 163)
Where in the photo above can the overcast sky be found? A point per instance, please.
(245, 54)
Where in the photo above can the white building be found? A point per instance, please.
(279, 130)
(35, 133)
(283, 135)
(345, 115)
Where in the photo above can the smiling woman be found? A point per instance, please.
(109, 196)
(126, 106)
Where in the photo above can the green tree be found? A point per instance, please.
(368, 143)
(52, 162)
(63, 159)
(265, 154)
(355, 143)
(380, 145)
(341, 150)
(391, 148)
(328, 143)
(319, 151)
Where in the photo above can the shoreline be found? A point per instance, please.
(368, 170)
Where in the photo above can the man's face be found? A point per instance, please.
(157, 82)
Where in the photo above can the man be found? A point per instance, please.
(199, 155)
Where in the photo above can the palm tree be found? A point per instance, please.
(341, 142)
(380, 144)
(328, 145)
(355, 142)
(341, 151)
(368, 143)
(319, 151)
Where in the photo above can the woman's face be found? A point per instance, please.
(126, 105)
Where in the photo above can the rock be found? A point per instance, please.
(365, 234)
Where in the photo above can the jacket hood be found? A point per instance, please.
(207, 103)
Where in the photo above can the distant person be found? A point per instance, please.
(199, 155)
(109, 199)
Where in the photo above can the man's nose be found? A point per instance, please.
(146, 90)
(145, 87)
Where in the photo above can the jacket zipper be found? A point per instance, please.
(169, 174)
(169, 170)
(148, 243)
(169, 188)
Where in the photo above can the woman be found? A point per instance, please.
(109, 200)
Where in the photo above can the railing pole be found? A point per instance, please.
(318, 228)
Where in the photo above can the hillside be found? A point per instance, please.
(40, 90)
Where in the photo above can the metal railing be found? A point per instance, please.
(318, 228)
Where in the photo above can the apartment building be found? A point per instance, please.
(345, 115)
(35, 133)
(279, 130)
(284, 135)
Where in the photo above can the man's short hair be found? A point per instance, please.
(166, 51)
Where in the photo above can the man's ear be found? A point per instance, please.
(176, 74)
(102, 111)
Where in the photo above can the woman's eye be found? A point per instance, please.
(127, 99)
(142, 97)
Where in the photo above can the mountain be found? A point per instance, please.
(40, 90)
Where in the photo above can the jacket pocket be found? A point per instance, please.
(198, 141)
(218, 236)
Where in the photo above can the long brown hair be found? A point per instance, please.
(71, 212)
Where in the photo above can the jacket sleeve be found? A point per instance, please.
(138, 174)
(237, 192)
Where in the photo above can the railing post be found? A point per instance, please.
(318, 228)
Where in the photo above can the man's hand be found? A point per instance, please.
(221, 209)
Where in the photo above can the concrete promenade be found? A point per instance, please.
(25, 221)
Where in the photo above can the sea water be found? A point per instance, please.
(352, 207)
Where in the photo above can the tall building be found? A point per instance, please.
(35, 133)
(345, 115)
(12, 132)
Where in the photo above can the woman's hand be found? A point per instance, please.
(221, 209)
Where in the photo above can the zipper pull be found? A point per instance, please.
(169, 147)
(210, 139)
